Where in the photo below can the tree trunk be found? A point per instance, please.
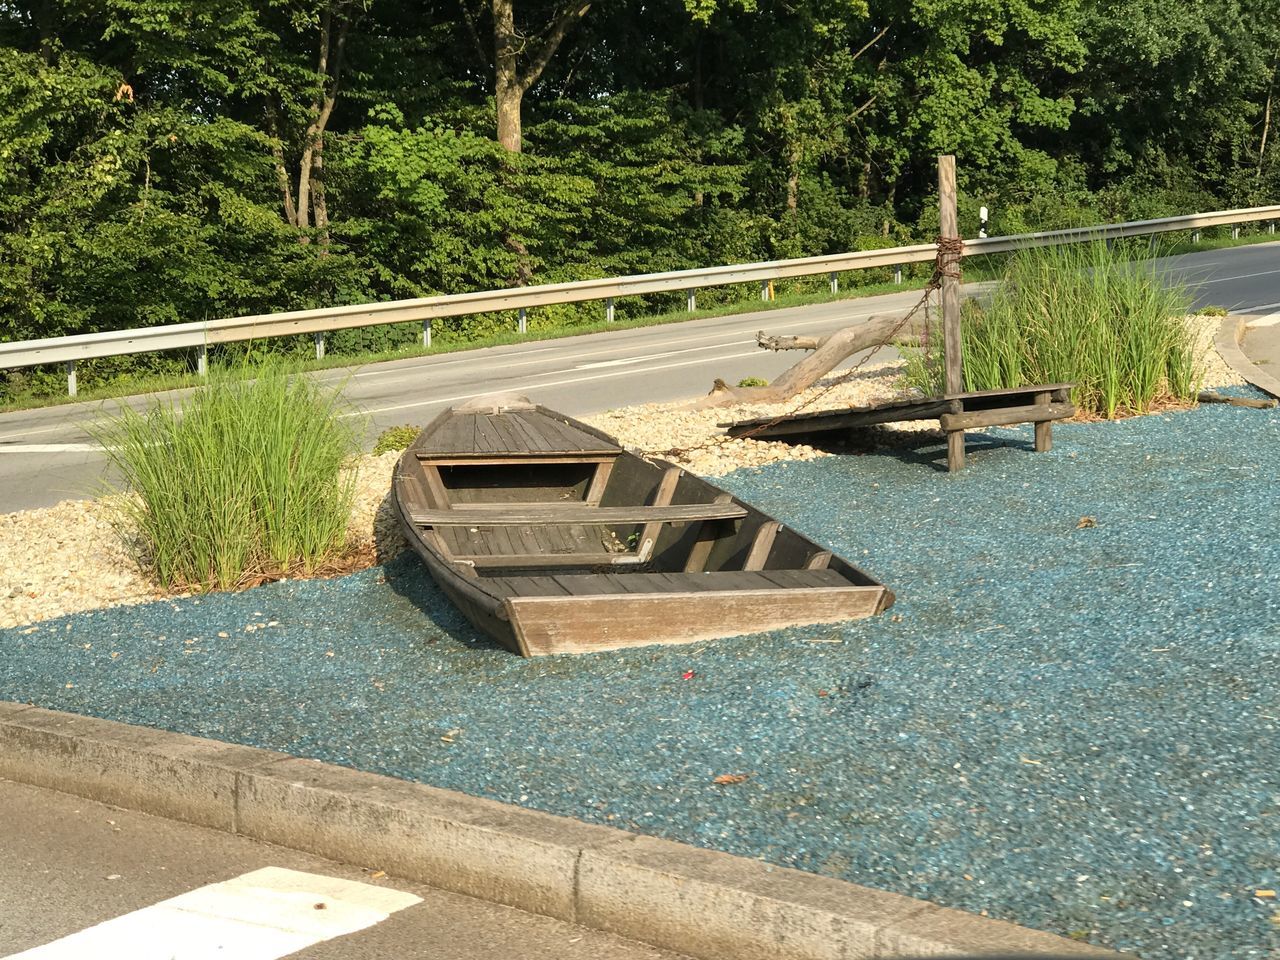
(828, 353)
(510, 81)
(508, 91)
(1266, 129)
(318, 203)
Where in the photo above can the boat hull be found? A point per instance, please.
(590, 548)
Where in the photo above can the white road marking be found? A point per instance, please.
(1243, 276)
(1260, 306)
(1270, 320)
(469, 356)
(262, 915)
(49, 448)
(533, 386)
(30, 433)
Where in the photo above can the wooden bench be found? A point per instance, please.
(517, 514)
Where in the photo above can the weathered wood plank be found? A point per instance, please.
(546, 625)
(819, 560)
(599, 480)
(1002, 416)
(708, 533)
(761, 544)
(520, 513)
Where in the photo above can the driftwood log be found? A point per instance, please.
(828, 353)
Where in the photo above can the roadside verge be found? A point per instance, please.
(698, 902)
(1228, 340)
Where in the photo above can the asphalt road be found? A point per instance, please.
(47, 455)
(68, 864)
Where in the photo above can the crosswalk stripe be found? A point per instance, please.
(262, 915)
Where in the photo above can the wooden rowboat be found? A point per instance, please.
(553, 539)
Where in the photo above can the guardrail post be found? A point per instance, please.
(426, 333)
(523, 321)
(71, 378)
(319, 338)
(1271, 227)
(835, 282)
(608, 309)
(764, 289)
(1235, 233)
(691, 300)
(1195, 236)
(897, 274)
(202, 360)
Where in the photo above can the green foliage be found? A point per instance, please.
(243, 480)
(151, 150)
(1079, 314)
(395, 438)
(753, 382)
(1213, 311)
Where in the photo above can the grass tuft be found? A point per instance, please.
(1082, 314)
(395, 438)
(242, 482)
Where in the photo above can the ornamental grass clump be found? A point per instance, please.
(244, 481)
(1103, 319)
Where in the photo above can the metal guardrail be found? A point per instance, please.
(69, 350)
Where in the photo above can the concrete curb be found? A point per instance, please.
(697, 902)
(1227, 341)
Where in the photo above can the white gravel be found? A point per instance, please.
(71, 557)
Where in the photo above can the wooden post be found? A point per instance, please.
(950, 229)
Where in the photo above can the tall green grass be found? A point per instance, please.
(243, 481)
(1102, 319)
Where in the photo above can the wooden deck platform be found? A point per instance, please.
(1040, 404)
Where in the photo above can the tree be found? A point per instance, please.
(519, 58)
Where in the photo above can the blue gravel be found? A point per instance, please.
(1071, 727)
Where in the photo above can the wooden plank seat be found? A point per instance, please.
(600, 584)
(518, 514)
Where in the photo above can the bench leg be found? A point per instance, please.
(955, 450)
(1044, 428)
(1044, 436)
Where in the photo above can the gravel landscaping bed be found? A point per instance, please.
(69, 558)
(1068, 720)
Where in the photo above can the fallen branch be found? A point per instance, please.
(1208, 396)
(828, 353)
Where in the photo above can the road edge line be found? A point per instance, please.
(701, 903)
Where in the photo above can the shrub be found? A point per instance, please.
(395, 438)
(1082, 314)
(1212, 311)
(753, 382)
(243, 481)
